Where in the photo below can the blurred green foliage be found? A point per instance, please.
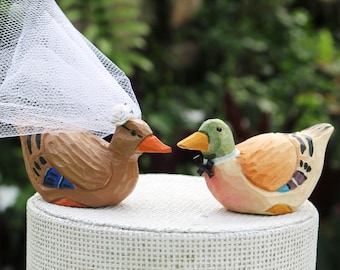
(269, 66)
(115, 26)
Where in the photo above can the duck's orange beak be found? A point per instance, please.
(196, 141)
(151, 144)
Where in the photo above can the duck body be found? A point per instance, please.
(271, 174)
(82, 170)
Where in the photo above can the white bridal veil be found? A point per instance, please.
(52, 78)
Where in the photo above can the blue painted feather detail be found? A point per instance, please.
(53, 179)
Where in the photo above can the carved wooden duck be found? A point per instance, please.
(271, 174)
(82, 170)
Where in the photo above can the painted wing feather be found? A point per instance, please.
(268, 160)
(82, 158)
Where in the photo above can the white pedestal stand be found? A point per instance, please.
(168, 222)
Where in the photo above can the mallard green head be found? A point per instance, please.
(214, 139)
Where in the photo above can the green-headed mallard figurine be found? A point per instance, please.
(270, 174)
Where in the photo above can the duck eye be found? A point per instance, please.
(133, 132)
(219, 129)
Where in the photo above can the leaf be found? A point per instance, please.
(325, 47)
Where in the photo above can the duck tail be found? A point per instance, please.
(322, 130)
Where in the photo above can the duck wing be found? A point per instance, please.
(268, 160)
(83, 158)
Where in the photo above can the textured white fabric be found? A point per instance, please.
(168, 222)
(51, 77)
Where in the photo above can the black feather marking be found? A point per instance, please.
(38, 140)
(310, 144)
(29, 144)
(42, 160)
(36, 172)
(327, 127)
(36, 164)
(302, 144)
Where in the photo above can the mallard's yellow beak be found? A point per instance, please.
(196, 141)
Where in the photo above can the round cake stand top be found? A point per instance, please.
(169, 222)
(174, 203)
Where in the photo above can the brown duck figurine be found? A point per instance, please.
(83, 170)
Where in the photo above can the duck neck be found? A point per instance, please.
(121, 148)
(220, 150)
(226, 157)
